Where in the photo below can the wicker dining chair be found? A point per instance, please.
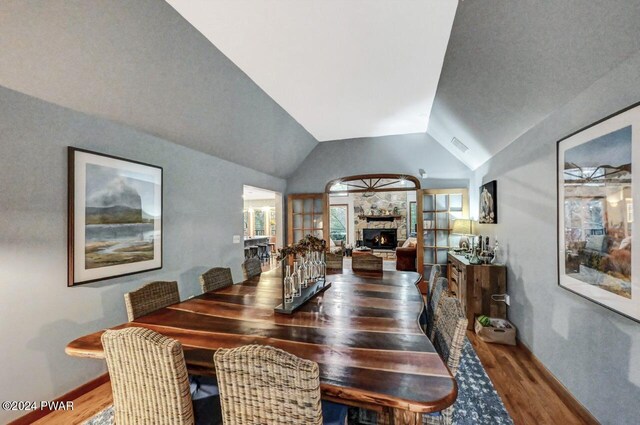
(448, 339)
(366, 263)
(151, 297)
(251, 267)
(439, 289)
(334, 261)
(436, 271)
(216, 278)
(265, 385)
(148, 377)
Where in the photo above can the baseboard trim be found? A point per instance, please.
(70, 396)
(558, 387)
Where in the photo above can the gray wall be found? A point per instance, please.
(594, 352)
(40, 315)
(403, 154)
(141, 64)
(509, 64)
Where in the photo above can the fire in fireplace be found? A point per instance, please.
(380, 238)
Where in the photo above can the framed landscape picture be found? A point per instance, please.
(489, 203)
(115, 217)
(597, 254)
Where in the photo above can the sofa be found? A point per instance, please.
(406, 255)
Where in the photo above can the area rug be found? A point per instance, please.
(478, 402)
(103, 418)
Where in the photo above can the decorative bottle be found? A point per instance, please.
(302, 272)
(323, 266)
(312, 268)
(295, 280)
(288, 293)
(316, 266)
(498, 255)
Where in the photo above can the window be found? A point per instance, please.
(338, 223)
(259, 224)
(272, 220)
(413, 224)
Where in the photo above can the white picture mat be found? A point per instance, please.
(81, 159)
(628, 307)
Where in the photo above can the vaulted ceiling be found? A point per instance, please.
(510, 64)
(141, 64)
(342, 69)
(259, 82)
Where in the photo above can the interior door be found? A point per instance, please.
(307, 214)
(437, 209)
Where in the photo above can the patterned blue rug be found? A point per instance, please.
(478, 402)
(103, 418)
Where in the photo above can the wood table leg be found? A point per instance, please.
(402, 417)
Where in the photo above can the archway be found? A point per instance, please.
(375, 212)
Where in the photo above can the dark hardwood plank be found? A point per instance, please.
(319, 318)
(193, 322)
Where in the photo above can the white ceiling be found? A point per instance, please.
(342, 69)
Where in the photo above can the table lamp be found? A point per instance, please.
(464, 227)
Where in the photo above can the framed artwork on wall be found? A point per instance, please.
(489, 203)
(114, 217)
(596, 225)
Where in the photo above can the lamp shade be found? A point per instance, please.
(462, 226)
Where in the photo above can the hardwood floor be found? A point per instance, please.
(84, 407)
(527, 391)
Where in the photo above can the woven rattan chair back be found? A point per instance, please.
(149, 378)
(448, 339)
(334, 261)
(265, 385)
(366, 263)
(449, 331)
(216, 278)
(151, 297)
(440, 288)
(434, 275)
(251, 267)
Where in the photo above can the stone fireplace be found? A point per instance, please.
(394, 203)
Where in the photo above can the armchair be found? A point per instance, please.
(406, 255)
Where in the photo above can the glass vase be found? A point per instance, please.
(295, 280)
(288, 293)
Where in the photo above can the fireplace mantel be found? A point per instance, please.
(381, 217)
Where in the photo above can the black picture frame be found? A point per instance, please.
(488, 203)
(560, 207)
(76, 273)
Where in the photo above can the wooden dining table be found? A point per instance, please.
(363, 332)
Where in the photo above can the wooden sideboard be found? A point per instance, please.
(474, 285)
